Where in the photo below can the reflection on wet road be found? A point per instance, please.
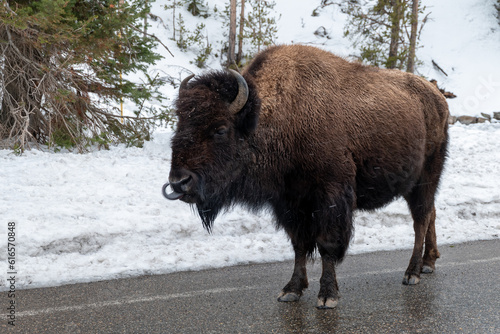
(460, 297)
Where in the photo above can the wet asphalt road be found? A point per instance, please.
(462, 296)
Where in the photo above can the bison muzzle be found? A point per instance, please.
(312, 137)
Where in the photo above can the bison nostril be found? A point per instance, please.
(183, 185)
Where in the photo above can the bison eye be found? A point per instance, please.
(221, 131)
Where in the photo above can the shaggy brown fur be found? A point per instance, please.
(317, 138)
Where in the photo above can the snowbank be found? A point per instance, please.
(101, 215)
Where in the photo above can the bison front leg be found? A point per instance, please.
(332, 243)
(328, 295)
(293, 290)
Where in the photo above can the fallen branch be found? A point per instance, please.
(438, 67)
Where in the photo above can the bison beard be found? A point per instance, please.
(211, 203)
(313, 137)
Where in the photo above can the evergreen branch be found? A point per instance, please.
(366, 17)
(6, 5)
(152, 36)
(127, 117)
(48, 99)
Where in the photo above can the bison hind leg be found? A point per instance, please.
(424, 226)
(431, 253)
(421, 203)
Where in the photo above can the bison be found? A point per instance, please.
(313, 137)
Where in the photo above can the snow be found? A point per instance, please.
(101, 215)
(465, 42)
(461, 36)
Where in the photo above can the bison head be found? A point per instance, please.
(217, 114)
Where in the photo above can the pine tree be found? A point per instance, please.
(193, 40)
(261, 26)
(380, 29)
(64, 68)
(497, 7)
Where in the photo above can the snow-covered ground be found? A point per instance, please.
(461, 36)
(101, 215)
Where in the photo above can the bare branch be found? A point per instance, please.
(153, 36)
(13, 45)
(6, 5)
(424, 21)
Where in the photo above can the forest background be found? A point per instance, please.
(76, 74)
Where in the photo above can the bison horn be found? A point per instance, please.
(185, 82)
(242, 97)
(173, 196)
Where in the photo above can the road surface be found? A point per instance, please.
(462, 296)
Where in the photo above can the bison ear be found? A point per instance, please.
(249, 122)
(248, 117)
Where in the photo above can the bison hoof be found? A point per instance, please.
(411, 280)
(327, 303)
(427, 269)
(288, 297)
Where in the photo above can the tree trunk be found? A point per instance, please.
(260, 38)
(240, 35)
(21, 100)
(232, 34)
(146, 20)
(396, 14)
(413, 37)
(173, 18)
